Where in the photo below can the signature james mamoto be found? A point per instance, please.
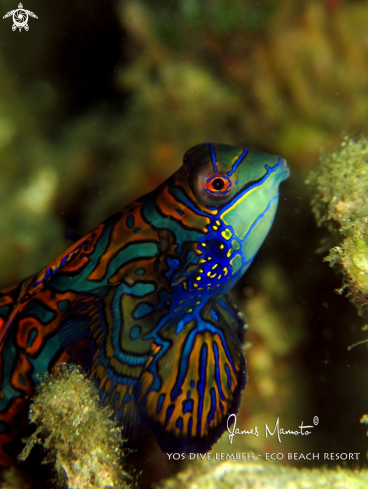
(302, 430)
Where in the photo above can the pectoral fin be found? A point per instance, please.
(191, 383)
(90, 332)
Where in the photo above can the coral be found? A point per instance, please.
(265, 475)
(81, 440)
(342, 201)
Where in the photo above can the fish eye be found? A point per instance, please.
(219, 185)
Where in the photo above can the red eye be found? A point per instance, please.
(217, 184)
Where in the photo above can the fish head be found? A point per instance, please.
(239, 188)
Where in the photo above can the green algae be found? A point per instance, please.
(341, 202)
(81, 439)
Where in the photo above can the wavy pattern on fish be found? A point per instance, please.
(141, 304)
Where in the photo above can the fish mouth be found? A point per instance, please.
(285, 168)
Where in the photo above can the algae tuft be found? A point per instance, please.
(81, 439)
(341, 203)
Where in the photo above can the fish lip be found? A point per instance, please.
(285, 168)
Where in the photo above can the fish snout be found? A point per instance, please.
(285, 169)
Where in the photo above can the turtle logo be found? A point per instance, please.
(20, 18)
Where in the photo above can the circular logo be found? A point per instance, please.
(315, 420)
(20, 17)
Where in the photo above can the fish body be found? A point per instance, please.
(142, 304)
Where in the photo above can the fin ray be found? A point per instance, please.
(86, 330)
(191, 384)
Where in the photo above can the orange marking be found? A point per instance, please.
(168, 205)
(120, 237)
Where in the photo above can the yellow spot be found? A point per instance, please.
(214, 275)
(229, 253)
(198, 303)
(203, 244)
(195, 285)
(222, 246)
(226, 234)
(190, 310)
(198, 278)
(226, 271)
(215, 228)
(218, 223)
(209, 258)
(214, 266)
(219, 277)
(202, 260)
(218, 285)
(201, 270)
(208, 274)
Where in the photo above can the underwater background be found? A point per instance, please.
(99, 102)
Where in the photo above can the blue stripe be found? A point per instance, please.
(179, 423)
(188, 406)
(169, 412)
(211, 414)
(260, 217)
(190, 425)
(238, 161)
(201, 384)
(228, 374)
(214, 315)
(213, 156)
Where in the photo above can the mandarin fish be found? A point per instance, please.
(142, 305)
